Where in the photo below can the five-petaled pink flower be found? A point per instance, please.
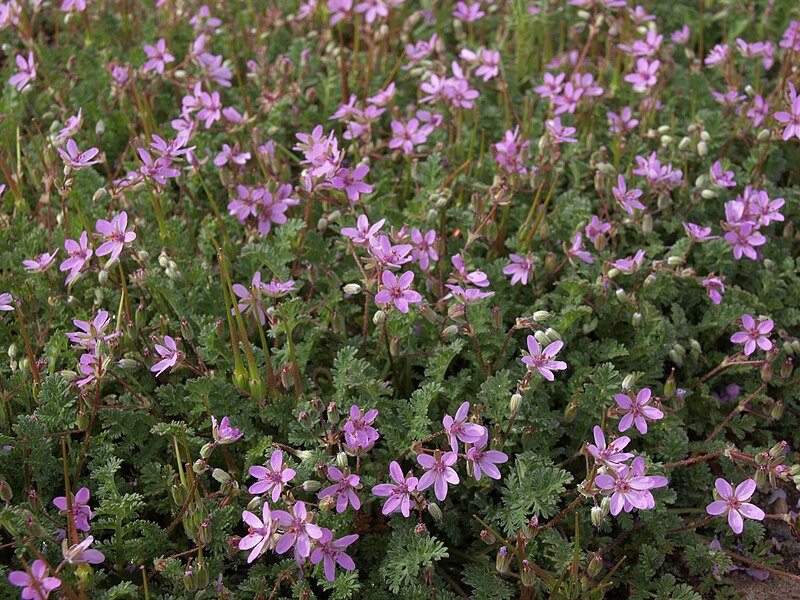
(330, 552)
(40, 263)
(637, 410)
(458, 428)
(343, 489)
(542, 360)
(81, 513)
(790, 119)
(76, 159)
(299, 531)
(27, 71)
(37, 585)
(363, 232)
(484, 461)
(261, 533)
(627, 198)
(6, 302)
(520, 268)
(169, 353)
(115, 236)
(396, 290)
(629, 486)
(78, 254)
(273, 477)
(756, 333)
(399, 493)
(611, 454)
(158, 57)
(735, 503)
(438, 472)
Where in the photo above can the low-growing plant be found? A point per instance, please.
(398, 298)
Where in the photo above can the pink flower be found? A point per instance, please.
(755, 334)
(560, 133)
(234, 155)
(269, 210)
(40, 263)
(637, 410)
(158, 57)
(520, 268)
(720, 177)
(6, 302)
(399, 493)
(261, 533)
(438, 472)
(77, 160)
(791, 119)
(92, 332)
(484, 461)
(542, 360)
(169, 353)
(363, 232)
(627, 198)
(698, 233)
(372, 10)
(458, 428)
(352, 182)
(36, 585)
(512, 154)
(478, 278)
(27, 71)
(595, 229)
(271, 478)
(330, 552)
(745, 238)
(344, 489)
(81, 513)
(735, 503)
(612, 454)
(629, 487)
(681, 36)
(298, 530)
(407, 135)
(717, 55)
(397, 290)
(115, 236)
(424, 251)
(93, 368)
(222, 432)
(630, 264)
(552, 86)
(714, 287)
(577, 251)
(645, 76)
(358, 430)
(622, 122)
(80, 553)
(468, 13)
(78, 254)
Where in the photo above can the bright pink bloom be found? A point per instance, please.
(627, 198)
(169, 353)
(78, 254)
(261, 533)
(438, 472)
(484, 462)
(459, 428)
(115, 236)
(81, 513)
(735, 503)
(36, 585)
(791, 119)
(424, 251)
(611, 454)
(363, 232)
(399, 493)
(40, 263)
(542, 360)
(27, 71)
(299, 532)
(755, 334)
(397, 290)
(520, 268)
(271, 478)
(330, 552)
(637, 410)
(158, 57)
(629, 487)
(222, 432)
(92, 331)
(359, 434)
(344, 489)
(77, 160)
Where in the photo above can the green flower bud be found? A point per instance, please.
(379, 317)
(597, 516)
(503, 561)
(435, 511)
(516, 402)
(352, 289)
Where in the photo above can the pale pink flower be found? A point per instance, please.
(438, 472)
(542, 360)
(754, 334)
(637, 410)
(735, 503)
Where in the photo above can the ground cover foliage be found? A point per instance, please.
(386, 298)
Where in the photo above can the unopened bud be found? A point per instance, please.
(487, 537)
(5, 491)
(636, 319)
(622, 296)
(766, 372)
(595, 565)
(503, 561)
(435, 511)
(628, 381)
(597, 516)
(787, 367)
(708, 194)
(516, 402)
(541, 337)
(702, 148)
(570, 412)
(764, 135)
(777, 410)
(311, 486)
(541, 315)
(379, 317)
(221, 476)
(526, 575)
(352, 289)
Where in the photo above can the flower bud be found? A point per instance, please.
(777, 410)
(647, 224)
(597, 516)
(311, 486)
(628, 381)
(503, 561)
(394, 346)
(541, 337)
(622, 296)
(127, 363)
(526, 575)
(327, 503)
(532, 530)
(570, 412)
(764, 135)
(552, 334)
(766, 372)
(595, 565)
(705, 136)
(99, 194)
(379, 317)
(702, 148)
(435, 511)
(708, 194)
(497, 317)
(787, 367)
(636, 319)
(205, 451)
(516, 402)
(487, 537)
(541, 315)
(6, 494)
(221, 476)
(102, 276)
(341, 460)
(352, 289)
(684, 143)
